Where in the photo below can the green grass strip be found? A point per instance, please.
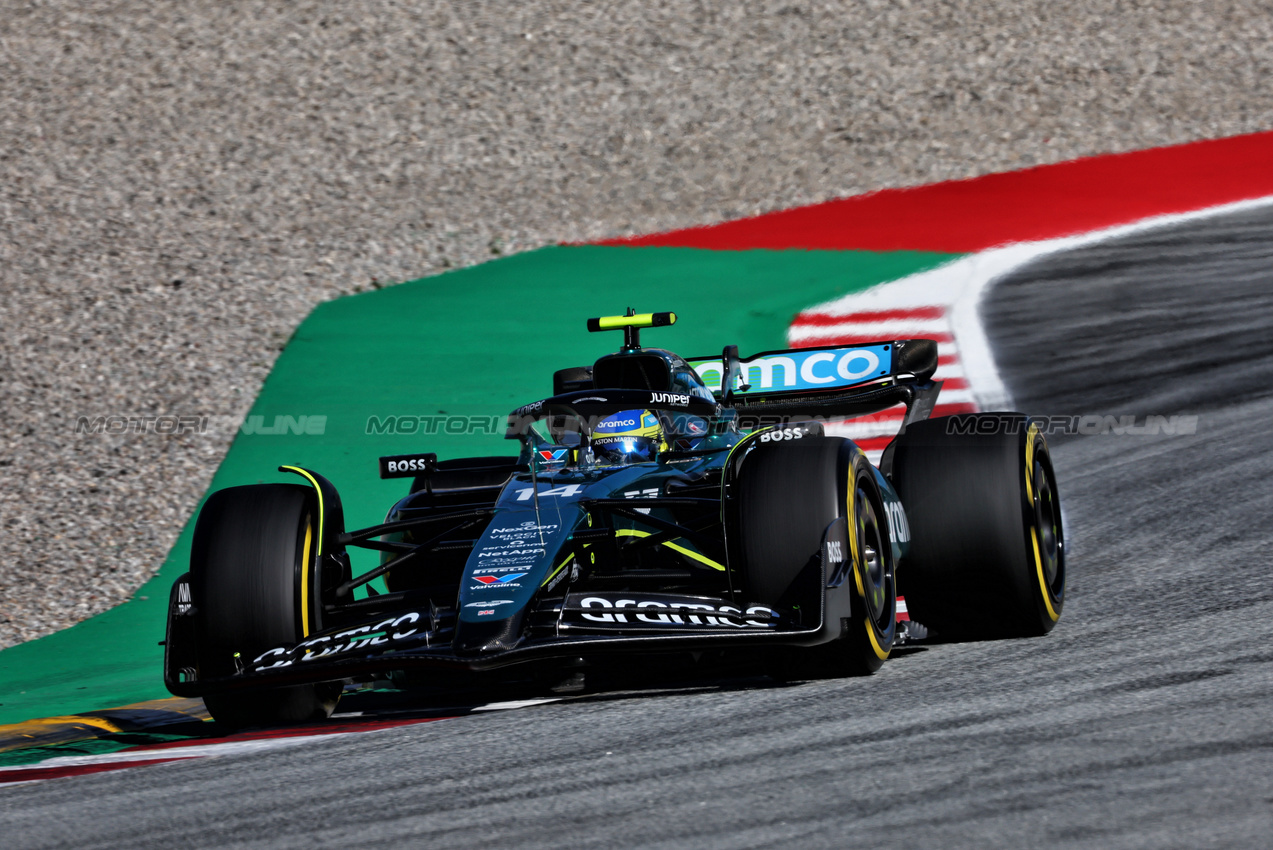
(473, 342)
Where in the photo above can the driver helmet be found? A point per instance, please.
(629, 436)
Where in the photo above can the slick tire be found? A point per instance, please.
(253, 547)
(987, 551)
(788, 494)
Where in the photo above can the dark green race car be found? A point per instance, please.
(660, 510)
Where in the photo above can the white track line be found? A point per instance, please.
(960, 286)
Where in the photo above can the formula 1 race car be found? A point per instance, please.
(660, 508)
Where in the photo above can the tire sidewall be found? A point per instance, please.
(799, 489)
(878, 635)
(971, 570)
(249, 568)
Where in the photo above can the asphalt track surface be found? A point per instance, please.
(1143, 720)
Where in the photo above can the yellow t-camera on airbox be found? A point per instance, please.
(631, 325)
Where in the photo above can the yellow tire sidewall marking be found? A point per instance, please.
(880, 653)
(1043, 584)
(1031, 433)
(309, 539)
(855, 549)
(308, 566)
(852, 523)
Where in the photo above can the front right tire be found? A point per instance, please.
(788, 494)
(251, 580)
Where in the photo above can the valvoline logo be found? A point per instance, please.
(498, 579)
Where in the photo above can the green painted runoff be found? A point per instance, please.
(476, 342)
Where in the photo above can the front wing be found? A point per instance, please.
(576, 625)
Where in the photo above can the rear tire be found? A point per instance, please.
(252, 584)
(788, 493)
(987, 556)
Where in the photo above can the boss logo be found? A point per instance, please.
(780, 434)
(835, 552)
(402, 466)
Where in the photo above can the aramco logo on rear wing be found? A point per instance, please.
(804, 369)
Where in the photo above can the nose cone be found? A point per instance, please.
(488, 636)
(509, 564)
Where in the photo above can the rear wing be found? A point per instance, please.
(847, 380)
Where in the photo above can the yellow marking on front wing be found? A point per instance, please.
(689, 553)
(559, 568)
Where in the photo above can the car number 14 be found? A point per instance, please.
(524, 493)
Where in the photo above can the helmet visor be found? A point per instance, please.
(618, 450)
(630, 436)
